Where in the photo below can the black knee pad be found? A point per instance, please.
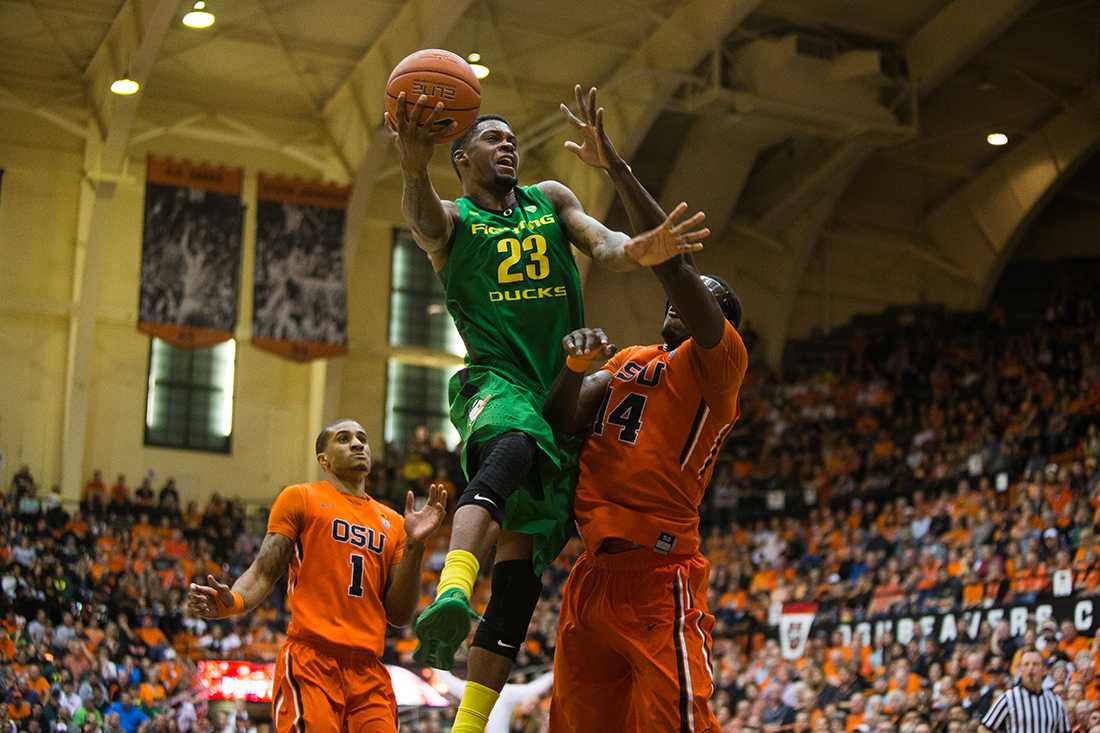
(516, 591)
(502, 467)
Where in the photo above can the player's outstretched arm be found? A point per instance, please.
(675, 269)
(403, 585)
(614, 250)
(574, 398)
(218, 600)
(687, 292)
(430, 219)
(597, 150)
(588, 235)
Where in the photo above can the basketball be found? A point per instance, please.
(442, 76)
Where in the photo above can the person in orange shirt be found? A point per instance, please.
(36, 682)
(7, 647)
(94, 499)
(152, 637)
(151, 693)
(856, 711)
(120, 495)
(18, 708)
(354, 566)
(658, 417)
(1071, 642)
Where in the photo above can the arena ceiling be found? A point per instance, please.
(839, 146)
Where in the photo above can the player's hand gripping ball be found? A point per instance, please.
(452, 93)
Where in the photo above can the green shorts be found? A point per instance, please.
(485, 404)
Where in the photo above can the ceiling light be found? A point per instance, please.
(480, 70)
(997, 139)
(200, 17)
(125, 86)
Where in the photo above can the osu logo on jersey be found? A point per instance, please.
(639, 374)
(357, 535)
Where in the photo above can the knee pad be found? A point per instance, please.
(516, 591)
(502, 467)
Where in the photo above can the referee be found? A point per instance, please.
(1027, 707)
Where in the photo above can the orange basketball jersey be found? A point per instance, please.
(646, 465)
(344, 547)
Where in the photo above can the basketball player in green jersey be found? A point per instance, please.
(512, 286)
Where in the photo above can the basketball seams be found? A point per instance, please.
(436, 60)
(475, 91)
(445, 109)
(446, 74)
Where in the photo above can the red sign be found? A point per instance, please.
(232, 680)
(225, 679)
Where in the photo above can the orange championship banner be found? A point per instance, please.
(190, 252)
(299, 297)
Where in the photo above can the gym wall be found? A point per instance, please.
(278, 404)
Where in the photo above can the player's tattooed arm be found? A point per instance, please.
(575, 399)
(588, 235)
(255, 584)
(616, 250)
(430, 219)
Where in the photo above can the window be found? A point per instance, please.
(418, 309)
(417, 395)
(189, 403)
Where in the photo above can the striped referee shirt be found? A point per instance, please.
(1022, 711)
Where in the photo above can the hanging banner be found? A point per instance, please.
(794, 628)
(1082, 611)
(190, 252)
(299, 301)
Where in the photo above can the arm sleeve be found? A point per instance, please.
(722, 368)
(1063, 719)
(995, 718)
(288, 514)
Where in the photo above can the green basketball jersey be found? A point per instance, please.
(513, 288)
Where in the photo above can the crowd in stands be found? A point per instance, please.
(93, 636)
(941, 462)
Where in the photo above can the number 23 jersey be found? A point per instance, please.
(512, 287)
(646, 465)
(344, 549)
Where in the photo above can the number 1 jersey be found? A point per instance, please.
(344, 549)
(646, 465)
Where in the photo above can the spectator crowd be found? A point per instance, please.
(933, 463)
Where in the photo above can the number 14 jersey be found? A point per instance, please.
(646, 465)
(344, 549)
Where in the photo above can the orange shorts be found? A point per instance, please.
(331, 691)
(633, 646)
